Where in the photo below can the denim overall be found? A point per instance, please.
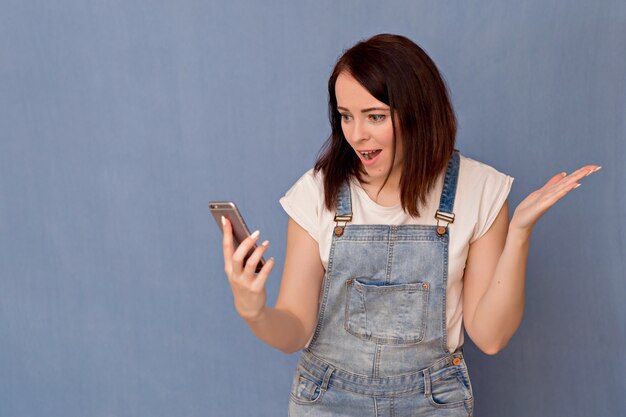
(380, 348)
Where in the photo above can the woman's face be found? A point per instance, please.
(366, 124)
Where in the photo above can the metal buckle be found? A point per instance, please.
(339, 228)
(447, 217)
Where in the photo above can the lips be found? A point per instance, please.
(369, 156)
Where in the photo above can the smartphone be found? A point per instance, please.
(229, 210)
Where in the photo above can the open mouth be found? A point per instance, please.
(368, 155)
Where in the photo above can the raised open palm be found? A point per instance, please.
(528, 212)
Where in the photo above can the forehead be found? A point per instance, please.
(352, 95)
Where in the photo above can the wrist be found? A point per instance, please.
(519, 234)
(253, 316)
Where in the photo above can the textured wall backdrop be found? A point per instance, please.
(120, 120)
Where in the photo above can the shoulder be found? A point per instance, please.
(482, 191)
(309, 182)
(303, 202)
(472, 168)
(475, 175)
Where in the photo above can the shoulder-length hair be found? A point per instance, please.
(400, 74)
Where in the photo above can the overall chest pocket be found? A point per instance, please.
(393, 314)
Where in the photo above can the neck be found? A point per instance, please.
(392, 183)
(388, 195)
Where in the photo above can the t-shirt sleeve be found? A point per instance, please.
(494, 190)
(303, 201)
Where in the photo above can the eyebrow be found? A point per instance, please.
(366, 110)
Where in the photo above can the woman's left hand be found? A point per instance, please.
(537, 203)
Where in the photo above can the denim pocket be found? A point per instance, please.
(451, 388)
(393, 314)
(304, 389)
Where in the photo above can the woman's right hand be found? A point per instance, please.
(248, 287)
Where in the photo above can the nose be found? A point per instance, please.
(358, 131)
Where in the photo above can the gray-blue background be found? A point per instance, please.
(120, 120)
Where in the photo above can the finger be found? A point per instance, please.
(263, 274)
(559, 193)
(593, 168)
(241, 252)
(254, 259)
(582, 172)
(555, 180)
(571, 180)
(227, 244)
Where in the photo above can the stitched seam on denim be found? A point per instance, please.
(444, 300)
(344, 200)
(367, 239)
(377, 361)
(380, 392)
(325, 291)
(343, 377)
(375, 407)
(346, 318)
(327, 378)
(378, 227)
(448, 193)
(364, 309)
(390, 247)
(403, 286)
(427, 386)
(424, 315)
(450, 405)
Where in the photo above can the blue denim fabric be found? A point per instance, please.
(380, 348)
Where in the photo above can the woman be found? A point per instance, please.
(396, 243)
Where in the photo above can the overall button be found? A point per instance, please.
(456, 361)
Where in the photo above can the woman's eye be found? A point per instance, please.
(345, 117)
(377, 117)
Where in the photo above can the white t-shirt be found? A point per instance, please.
(481, 192)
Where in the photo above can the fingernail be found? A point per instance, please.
(576, 186)
(223, 221)
(267, 242)
(597, 169)
(255, 234)
(563, 174)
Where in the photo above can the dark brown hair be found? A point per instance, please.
(400, 74)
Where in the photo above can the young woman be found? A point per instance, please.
(396, 243)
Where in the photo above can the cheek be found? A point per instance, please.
(346, 132)
(388, 137)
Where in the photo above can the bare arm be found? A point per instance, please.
(493, 290)
(289, 325)
(494, 278)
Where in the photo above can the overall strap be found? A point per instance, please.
(344, 208)
(446, 203)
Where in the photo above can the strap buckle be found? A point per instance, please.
(447, 217)
(339, 228)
